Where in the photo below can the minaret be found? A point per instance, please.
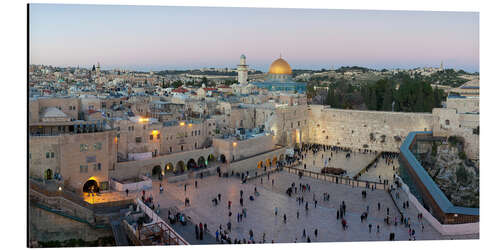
(243, 70)
(441, 67)
(98, 70)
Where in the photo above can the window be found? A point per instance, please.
(138, 139)
(298, 124)
(447, 122)
(47, 155)
(97, 167)
(84, 147)
(51, 154)
(98, 146)
(84, 168)
(151, 137)
(192, 133)
(170, 149)
(182, 148)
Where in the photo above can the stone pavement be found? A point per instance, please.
(351, 165)
(260, 212)
(385, 171)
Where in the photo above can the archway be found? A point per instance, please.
(91, 186)
(275, 160)
(169, 168)
(191, 164)
(48, 174)
(156, 172)
(223, 158)
(259, 165)
(210, 158)
(180, 167)
(201, 162)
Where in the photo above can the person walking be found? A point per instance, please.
(126, 191)
(284, 218)
(196, 231)
(195, 184)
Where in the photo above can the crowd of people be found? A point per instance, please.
(224, 235)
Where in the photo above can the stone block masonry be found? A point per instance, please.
(373, 130)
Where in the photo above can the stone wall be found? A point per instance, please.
(47, 226)
(252, 162)
(375, 130)
(244, 148)
(133, 169)
(69, 156)
(463, 105)
(448, 122)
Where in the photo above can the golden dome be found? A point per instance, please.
(280, 66)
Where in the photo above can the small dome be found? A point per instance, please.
(281, 67)
(243, 56)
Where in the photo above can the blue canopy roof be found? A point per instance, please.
(436, 193)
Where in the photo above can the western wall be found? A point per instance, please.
(374, 130)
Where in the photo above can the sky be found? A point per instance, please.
(161, 37)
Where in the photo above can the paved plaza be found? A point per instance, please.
(351, 165)
(260, 212)
(383, 170)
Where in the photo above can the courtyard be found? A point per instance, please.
(260, 212)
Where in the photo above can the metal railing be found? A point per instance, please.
(168, 235)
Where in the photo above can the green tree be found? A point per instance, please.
(388, 98)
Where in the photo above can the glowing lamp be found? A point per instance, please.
(60, 188)
(154, 132)
(182, 123)
(190, 124)
(235, 144)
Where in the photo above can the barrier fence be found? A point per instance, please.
(337, 179)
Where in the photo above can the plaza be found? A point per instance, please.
(260, 212)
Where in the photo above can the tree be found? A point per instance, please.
(388, 98)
